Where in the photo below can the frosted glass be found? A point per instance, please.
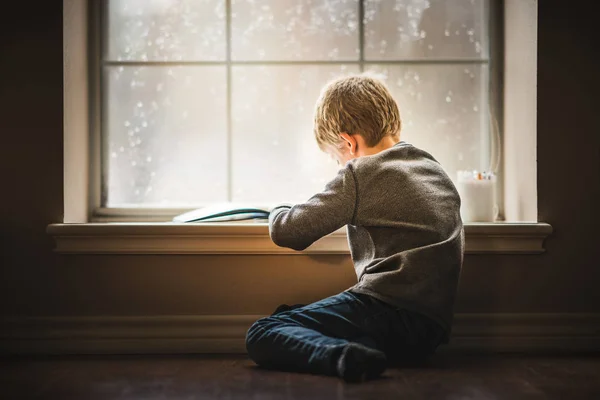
(165, 138)
(166, 141)
(444, 111)
(416, 29)
(275, 155)
(294, 29)
(166, 30)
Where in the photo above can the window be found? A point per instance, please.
(84, 230)
(201, 101)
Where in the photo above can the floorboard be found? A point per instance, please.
(447, 376)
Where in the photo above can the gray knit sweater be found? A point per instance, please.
(404, 228)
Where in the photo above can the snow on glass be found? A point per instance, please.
(295, 30)
(429, 29)
(166, 30)
(167, 124)
(166, 129)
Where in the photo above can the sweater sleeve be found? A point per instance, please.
(298, 226)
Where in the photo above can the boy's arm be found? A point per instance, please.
(299, 226)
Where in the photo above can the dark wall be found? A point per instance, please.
(35, 281)
(31, 154)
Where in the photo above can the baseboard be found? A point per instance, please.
(526, 332)
(226, 333)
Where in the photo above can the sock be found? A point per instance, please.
(359, 363)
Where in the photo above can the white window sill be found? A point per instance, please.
(253, 238)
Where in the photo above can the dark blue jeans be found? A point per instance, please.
(311, 338)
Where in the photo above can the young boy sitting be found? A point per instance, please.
(405, 235)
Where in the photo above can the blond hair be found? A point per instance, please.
(356, 104)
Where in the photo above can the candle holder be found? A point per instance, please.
(477, 190)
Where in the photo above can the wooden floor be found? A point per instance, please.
(449, 376)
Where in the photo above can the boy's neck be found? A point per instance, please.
(385, 143)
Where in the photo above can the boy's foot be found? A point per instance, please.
(359, 363)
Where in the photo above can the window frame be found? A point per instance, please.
(98, 31)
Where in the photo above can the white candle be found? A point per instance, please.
(478, 196)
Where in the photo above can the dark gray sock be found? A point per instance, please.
(359, 363)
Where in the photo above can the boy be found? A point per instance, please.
(406, 240)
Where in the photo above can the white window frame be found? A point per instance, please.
(85, 229)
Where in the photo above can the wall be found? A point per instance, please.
(36, 282)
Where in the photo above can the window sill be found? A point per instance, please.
(253, 238)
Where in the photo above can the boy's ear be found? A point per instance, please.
(349, 142)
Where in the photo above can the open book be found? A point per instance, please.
(223, 212)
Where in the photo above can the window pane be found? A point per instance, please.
(294, 30)
(166, 136)
(166, 30)
(409, 29)
(275, 155)
(444, 111)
